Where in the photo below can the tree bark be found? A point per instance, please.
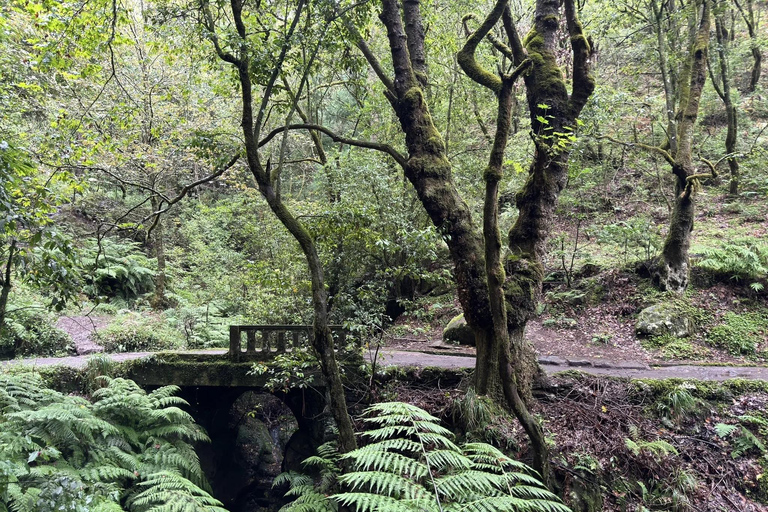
(159, 300)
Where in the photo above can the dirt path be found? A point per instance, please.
(628, 369)
(82, 329)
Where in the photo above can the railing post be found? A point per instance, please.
(265, 335)
(234, 342)
(281, 342)
(251, 347)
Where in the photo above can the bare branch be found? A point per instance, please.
(655, 149)
(385, 148)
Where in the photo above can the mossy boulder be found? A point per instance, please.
(457, 331)
(664, 318)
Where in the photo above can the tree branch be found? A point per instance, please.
(414, 30)
(369, 56)
(401, 61)
(186, 189)
(513, 35)
(583, 81)
(466, 56)
(385, 148)
(655, 149)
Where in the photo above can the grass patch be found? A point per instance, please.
(740, 333)
(670, 347)
(135, 332)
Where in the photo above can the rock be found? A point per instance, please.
(459, 332)
(553, 360)
(662, 319)
(579, 362)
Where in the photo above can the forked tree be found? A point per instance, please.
(683, 87)
(498, 295)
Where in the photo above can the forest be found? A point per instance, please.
(519, 247)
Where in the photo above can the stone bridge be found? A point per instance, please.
(256, 431)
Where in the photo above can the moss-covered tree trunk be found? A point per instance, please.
(724, 91)
(268, 180)
(673, 269)
(159, 300)
(429, 171)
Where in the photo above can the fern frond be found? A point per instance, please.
(369, 458)
(384, 484)
(366, 502)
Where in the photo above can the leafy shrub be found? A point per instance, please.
(740, 259)
(202, 326)
(635, 238)
(31, 332)
(411, 463)
(118, 269)
(125, 450)
(135, 332)
(739, 333)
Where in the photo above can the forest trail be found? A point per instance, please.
(82, 328)
(403, 358)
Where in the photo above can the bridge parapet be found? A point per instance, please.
(264, 342)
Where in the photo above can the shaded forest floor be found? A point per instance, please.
(623, 445)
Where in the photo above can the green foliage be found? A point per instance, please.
(126, 450)
(635, 238)
(657, 449)
(739, 259)
(29, 331)
(740, 333)
(411, 463)
(135, 332)
(679, 404)
(30, 245)
(742, 439)
(294, 369)
(117, 269)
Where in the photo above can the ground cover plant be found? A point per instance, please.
(122, 449)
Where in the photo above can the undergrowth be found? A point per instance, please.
(740, 333)
(124, 450)
(410, 463)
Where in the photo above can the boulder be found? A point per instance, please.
(661, 319)
(457, 331)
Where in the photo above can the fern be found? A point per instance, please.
(126, 448)
(412, 464)
(657, 449)
(742, 258)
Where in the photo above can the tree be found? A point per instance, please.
(498, 298)
(724, 91)
(30, 246)
(238, 49)
(747, 12)
(683, 87)
(673, 267)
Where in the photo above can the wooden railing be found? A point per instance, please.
(267, 341)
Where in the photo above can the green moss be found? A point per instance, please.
(435, 144)
(671, 347)
(739, 333)
(656, 389)
(533, 38)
